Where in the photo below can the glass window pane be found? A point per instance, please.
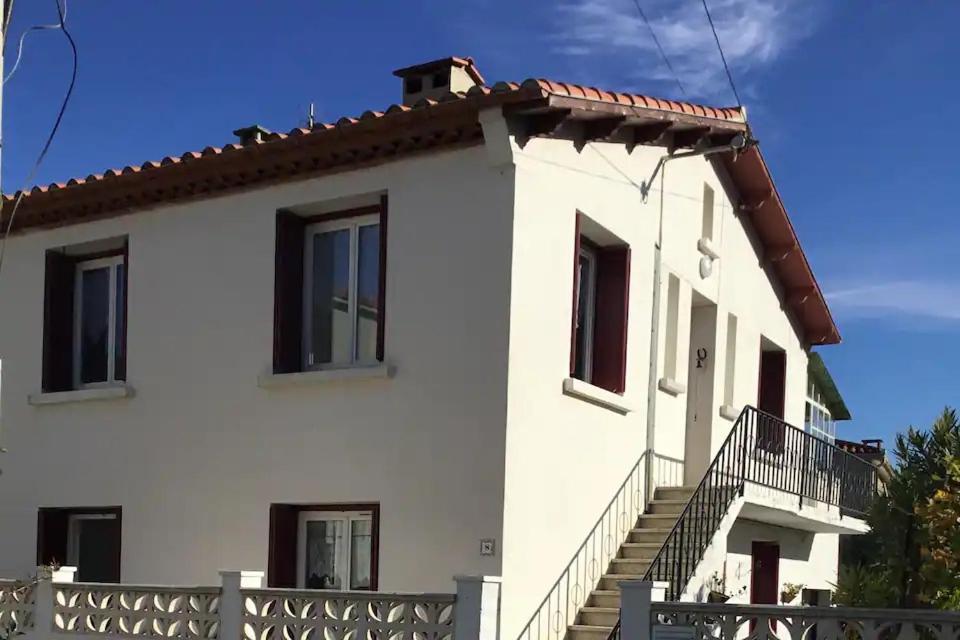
(368, 290)
(119, 359)
(584, 280)
(94, 324)
(323, 543)
(361, 546)
(331, 334)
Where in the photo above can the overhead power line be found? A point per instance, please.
(722, 57)
(23, 37)
(61, 13)
(663, 54)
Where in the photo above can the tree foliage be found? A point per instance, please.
(911, 557)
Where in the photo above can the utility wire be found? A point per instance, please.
(61, 12)
(722, 57)
(663, 54)
(23, 37)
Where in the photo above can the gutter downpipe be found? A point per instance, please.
(738, 144)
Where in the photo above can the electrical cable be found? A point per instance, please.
(61, 12)
(23, 37)
(663, 54)
(722, 57)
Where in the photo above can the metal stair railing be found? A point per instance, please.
(764, 450)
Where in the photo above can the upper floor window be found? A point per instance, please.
(98, 317)
(85, 316)
(817, 419)
(341, 288)
(330, 290)
(598, 349)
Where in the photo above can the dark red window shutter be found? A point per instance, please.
(58, 322)
(382, 291)
(576, 293)
(52, 536)
(288, 294)
(610, 326)
(120, 372)
(282, 555)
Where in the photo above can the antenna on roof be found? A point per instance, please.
(310, 117)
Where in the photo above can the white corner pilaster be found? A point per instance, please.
(496, 138)
(477, 610)
(635, 599)
(231, 600)
(43, 600)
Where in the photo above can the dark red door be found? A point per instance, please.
(771, 397)
(773, 380)
(765, 575)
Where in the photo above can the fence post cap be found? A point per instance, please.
(242, 574)
(478, 578)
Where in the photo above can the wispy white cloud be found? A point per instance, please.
(927, 299)
(754, 34)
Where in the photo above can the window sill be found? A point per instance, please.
(671, 386)
(323, 376)
(112, 392)
(705, 246)
(729, 412)
(596, 395)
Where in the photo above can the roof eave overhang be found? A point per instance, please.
(584, 120)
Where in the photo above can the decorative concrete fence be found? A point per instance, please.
(644, 616)
(55, 607)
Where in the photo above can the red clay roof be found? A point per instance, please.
(398, 130)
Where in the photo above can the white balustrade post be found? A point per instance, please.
(635, 598)
(231, 601)
(477, 610)
(43, 600)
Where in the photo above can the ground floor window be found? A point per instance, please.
(87, 538)
(324, 546)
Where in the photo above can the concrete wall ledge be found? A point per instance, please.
(112, 392)
(596, 395)
(323, 376)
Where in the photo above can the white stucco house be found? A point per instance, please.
(514, 330)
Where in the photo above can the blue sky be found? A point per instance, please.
(854, 104)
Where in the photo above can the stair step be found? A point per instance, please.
(652, 534)
(667, 506)
(611, 581)
(657, 520)
(599, 616)
(636, 566)
(645, 550)
(605, 598)
(588, 632)
(674, 493)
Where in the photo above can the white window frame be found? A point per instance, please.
(812, 426)
(353, 225)
(344, 554)
(73, 533)
(590, 314)
(111, 264)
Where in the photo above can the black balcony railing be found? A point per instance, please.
(764, 450)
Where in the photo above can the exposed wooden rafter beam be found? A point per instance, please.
(753, 200)
(689, 137)
(542, 123)
(596, 129)
(781, 253)
(799, 297)
(646, 133)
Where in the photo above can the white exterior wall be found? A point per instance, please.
(472, 438)
(200, 452)
(566, 457)
(808, 559)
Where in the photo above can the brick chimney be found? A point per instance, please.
(436, 78)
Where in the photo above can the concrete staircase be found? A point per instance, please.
(597, 617)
